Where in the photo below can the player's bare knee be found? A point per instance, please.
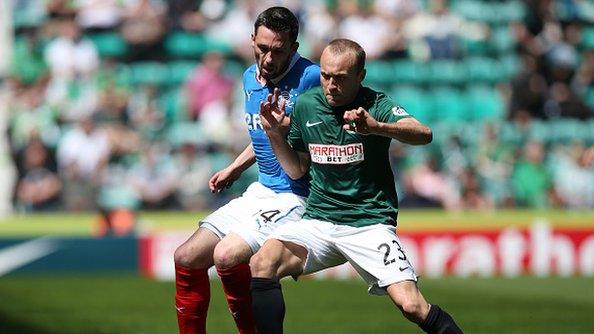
(262, 265)
(225, 256)
(184, 257)
(181, 257)
(412, 308)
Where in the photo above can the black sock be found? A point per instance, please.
(439, 322)
(268, 305)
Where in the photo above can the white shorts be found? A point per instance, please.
(255, 214)
(374, 251)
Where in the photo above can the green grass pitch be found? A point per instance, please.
(125, 304)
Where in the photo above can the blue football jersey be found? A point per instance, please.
(301, 75)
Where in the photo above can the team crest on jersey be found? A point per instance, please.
(399, 111)
(286, 96)
(336, 154)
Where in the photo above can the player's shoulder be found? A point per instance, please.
(311, 95)
(307, 70)
(249, 75)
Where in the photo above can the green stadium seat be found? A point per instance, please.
(502, 39)
(449, 105)
(564, 131)
(110, 44)
(540, 131)
(218, 161)
(484, 69)
(590, 132)
(149, 73)
(33, 16)
(508, 11)
(485, 103)
(509, 134)
(588, 38)
(473, 10)
(179, 71)
(189, 45)
(407, 71)
(447, 72)
(173, 105)
(416, 101)
(474, 47)
(589, 98)
(490, 12)
(511, 66)
(185, 45)
(379, 73)
(185, 133)
(234, 69)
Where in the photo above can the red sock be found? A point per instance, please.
(236, 283)
(191, 299)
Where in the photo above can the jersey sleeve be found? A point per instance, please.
(389, 112)
(294, 138)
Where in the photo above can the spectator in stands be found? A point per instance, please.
(494, 164)
(208, 84)
(439, 29)
(38, 188)
(31, 116)
(234, 28)
(363, 26)
(82, 156)
(431, 186)
(144, 113)
(185, 15)
(472, 196)
(155, 179)
(112, 116)
(321, 21)
(562, 102)
(98, 15)
(528, 89)
(194, 170)
(574, 176)
(60, 8)
(143, 28)
(531, 181)
(70, 55)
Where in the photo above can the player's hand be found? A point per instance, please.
(222, 179)
(360, 121)
(272, 113)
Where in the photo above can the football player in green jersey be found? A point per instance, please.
(340, 133)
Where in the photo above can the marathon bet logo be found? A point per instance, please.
(336, 154)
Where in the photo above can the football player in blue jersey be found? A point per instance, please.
(228, 237)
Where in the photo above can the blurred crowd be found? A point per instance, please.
(136, 103)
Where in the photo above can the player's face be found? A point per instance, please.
(273, 51)
(340, 77)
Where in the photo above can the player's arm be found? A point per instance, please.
(295, 163)
(275, 123)
(407, 130)
(225, 177)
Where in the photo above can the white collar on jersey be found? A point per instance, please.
(276, 80)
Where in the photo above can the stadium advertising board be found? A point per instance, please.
(66, 255)
(538, 250)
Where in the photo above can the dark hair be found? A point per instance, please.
(279, 20)
(343, 45)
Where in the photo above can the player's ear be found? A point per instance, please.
(362, 75)
(295, 47)
(253, 38)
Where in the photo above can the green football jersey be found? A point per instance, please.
(351, 179)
